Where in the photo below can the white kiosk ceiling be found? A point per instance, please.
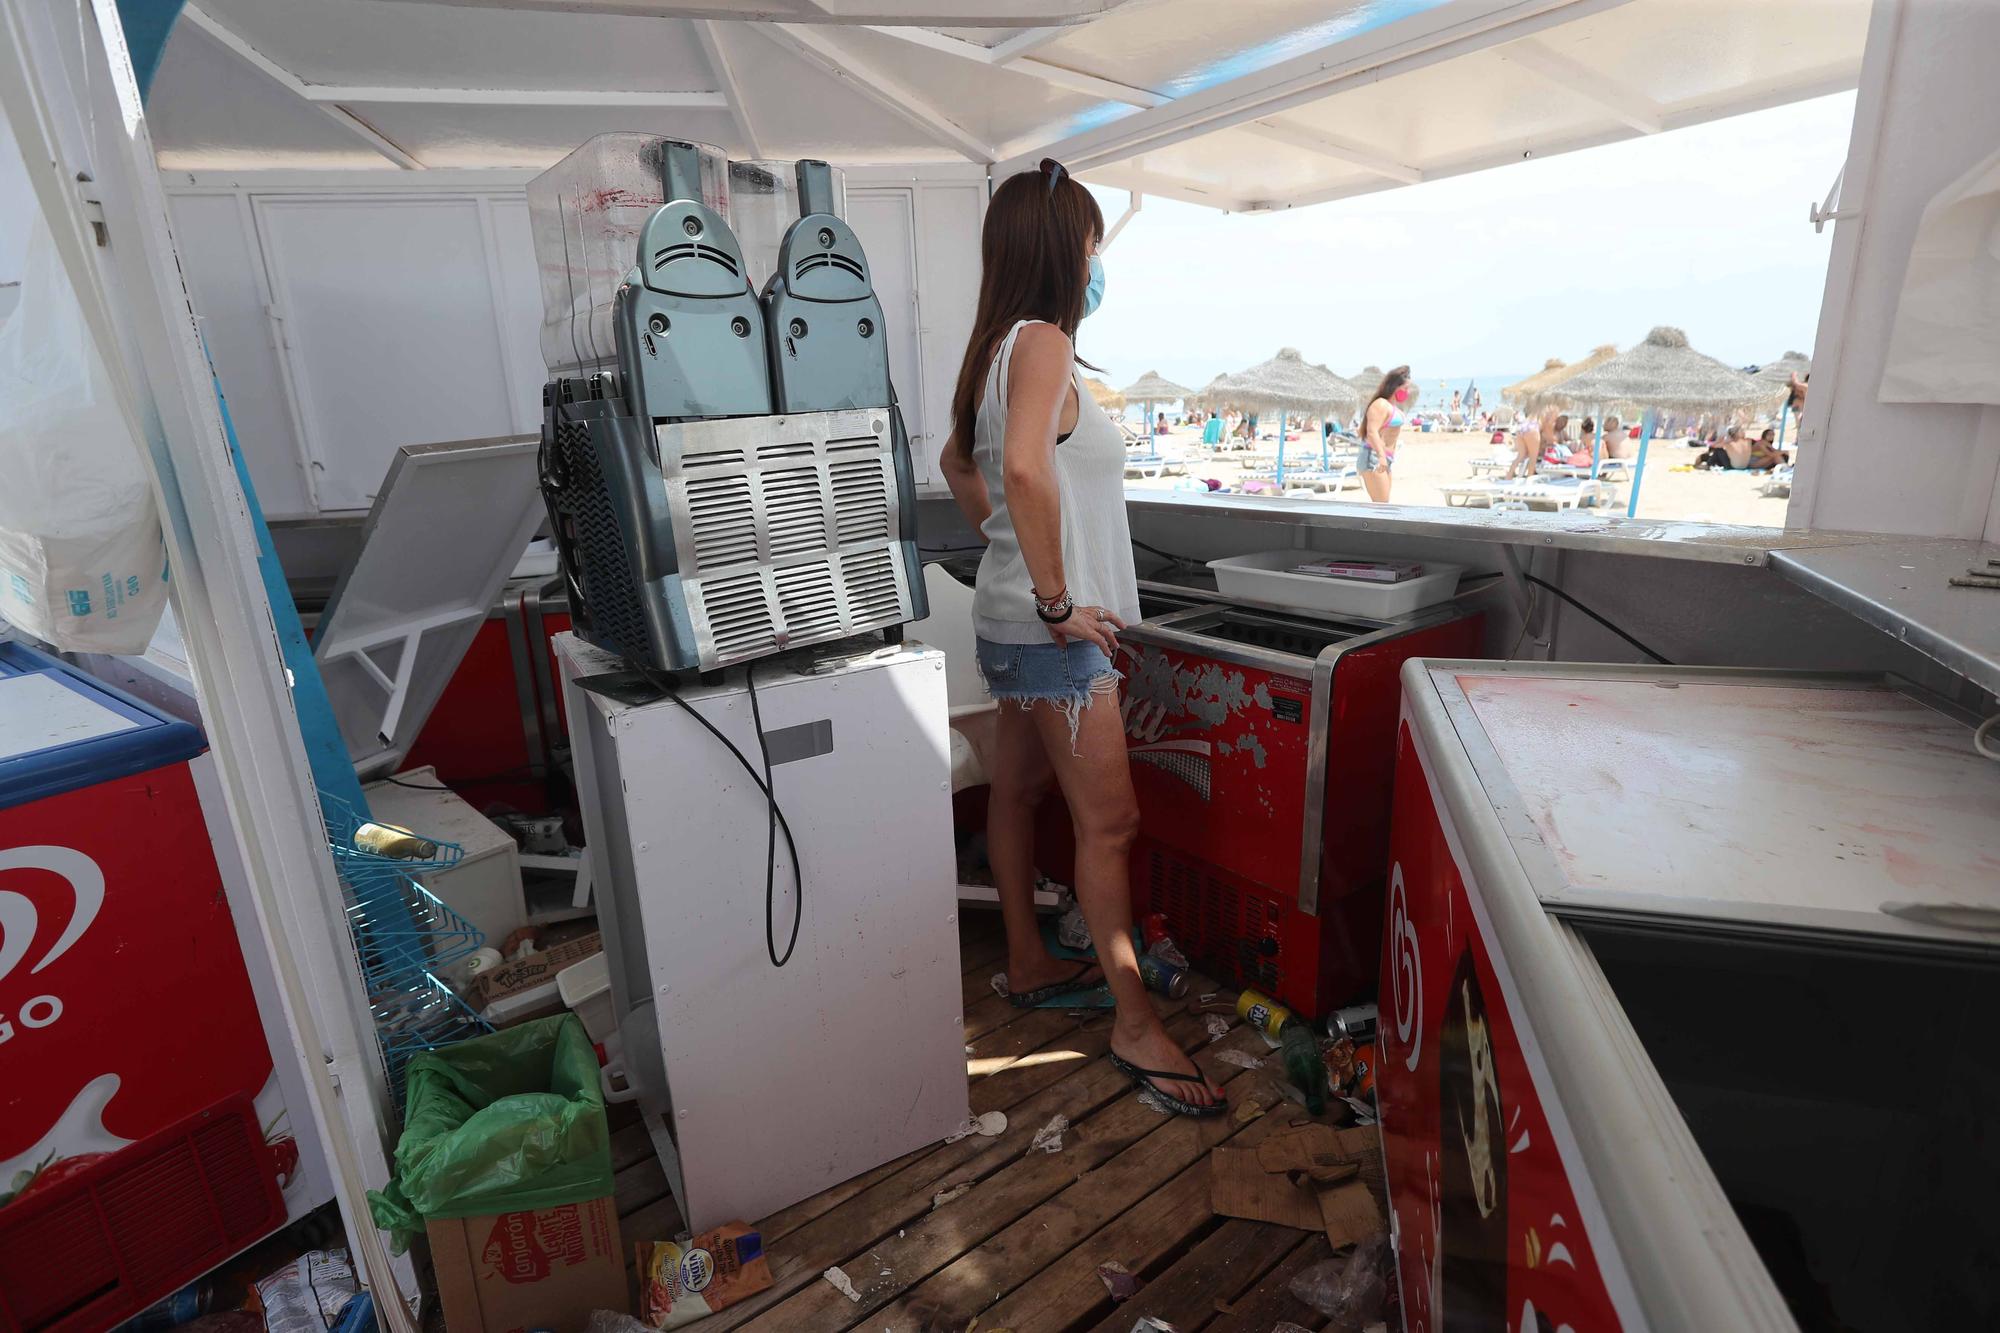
(1242, 106)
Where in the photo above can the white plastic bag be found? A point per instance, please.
(83, 563)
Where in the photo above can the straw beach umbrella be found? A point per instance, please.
(1661, 374)
(1104, 395)
(1287, 385)
(1152, 387)
(1513, 393)
(1539, 396)
(1367, 382)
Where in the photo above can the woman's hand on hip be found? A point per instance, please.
(1089, 624)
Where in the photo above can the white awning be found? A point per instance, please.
(1243, 106)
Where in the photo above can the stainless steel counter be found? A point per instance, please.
(1899, 584)
(1902, 587)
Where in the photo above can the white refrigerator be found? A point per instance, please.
(761, 1084)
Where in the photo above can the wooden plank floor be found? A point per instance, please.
(1019, 1250)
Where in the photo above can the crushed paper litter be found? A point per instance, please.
(991, 1124)
(1241, 1059)
(1000, 985)
(1049, 1138)
(945, 1196)
(841, 1284)
(1153, 1101)
(1218, 1026)
(1118, 1280)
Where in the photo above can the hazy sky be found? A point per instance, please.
(1490, 274)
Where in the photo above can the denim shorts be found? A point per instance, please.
(1364, 459)
(1068, 675)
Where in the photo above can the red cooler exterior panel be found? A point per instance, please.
(1262, 749)
(1496, 1228)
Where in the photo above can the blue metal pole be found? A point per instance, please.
(1784, 415)
(1597, 444)
(1281, 453)
(1649, 423)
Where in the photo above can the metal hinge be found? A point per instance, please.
(1830, 211)
(93, 208)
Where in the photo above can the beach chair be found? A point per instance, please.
(1496, 462)
(1557, 493)
(1779, 483)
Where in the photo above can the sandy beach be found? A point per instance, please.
(1425, 464)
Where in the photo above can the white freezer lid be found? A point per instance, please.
(1757, 799)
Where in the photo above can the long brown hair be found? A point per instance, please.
(1033, 252)
(1391, 382)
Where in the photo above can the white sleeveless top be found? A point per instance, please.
(1096, 538)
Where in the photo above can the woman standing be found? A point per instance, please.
(1381, 426)
(1039, 469)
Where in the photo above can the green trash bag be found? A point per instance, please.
(498, 1124)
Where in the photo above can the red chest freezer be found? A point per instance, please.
(1262, 746)
(1689, 984)
(126, 1010)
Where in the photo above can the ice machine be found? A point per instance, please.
(726, 473)
(1688, 986)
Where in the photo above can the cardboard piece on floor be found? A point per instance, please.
(1239, 1186)
(1349, 1214)
(1314, 1150)
(547, 1268)
(1258, 1182)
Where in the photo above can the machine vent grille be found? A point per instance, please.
(839, 261)
(872, 595)
(610, 594)
(794, 513)
(723, 522)
(786, 450)
(861, 499)
(806, 597)
(795, 543)
(692, 250)
(739, 616)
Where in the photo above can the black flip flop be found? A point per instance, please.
(1041, 995)
(1144, 1079)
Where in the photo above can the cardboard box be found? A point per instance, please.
(516, 992)
(513, 1272)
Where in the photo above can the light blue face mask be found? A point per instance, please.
(1093, 295)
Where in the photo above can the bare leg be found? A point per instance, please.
(1096, 780)
(1019, 780)
(1376, 482)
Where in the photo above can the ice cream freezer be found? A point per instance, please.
(1689, 983)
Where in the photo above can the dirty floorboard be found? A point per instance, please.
(1020, 1247)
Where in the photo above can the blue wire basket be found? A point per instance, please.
(403, 936)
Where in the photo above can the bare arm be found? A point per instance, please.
(1371, 424)
(961, 474)
(1038, 384)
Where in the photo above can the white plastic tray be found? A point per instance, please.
(1267, 577)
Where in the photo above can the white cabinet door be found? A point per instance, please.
(393, 329)
(885, 220)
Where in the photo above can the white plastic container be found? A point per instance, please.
(586, 990)
(1266, 576)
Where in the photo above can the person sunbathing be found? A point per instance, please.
(1765, 453)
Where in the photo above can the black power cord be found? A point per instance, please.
(1544, 583)
(1185, 562)
(777, 815)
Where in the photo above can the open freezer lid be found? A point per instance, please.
(1744, 799)
(447, 528)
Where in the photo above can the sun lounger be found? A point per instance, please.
(1534, 493)
(1148, 466)
(1779, 483)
